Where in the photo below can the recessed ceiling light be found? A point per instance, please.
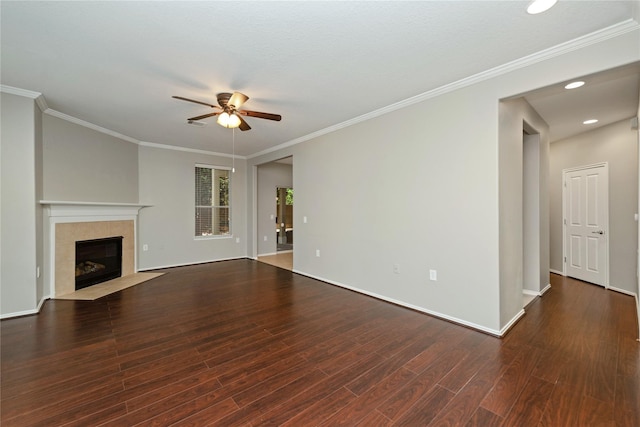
(539, 6)
(574, 85)
(590, 122)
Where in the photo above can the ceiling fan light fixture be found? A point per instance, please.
(539, 6)
(228, 120)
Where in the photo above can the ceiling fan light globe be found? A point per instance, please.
(223, 119)
(234, 121)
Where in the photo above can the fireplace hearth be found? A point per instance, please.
(97, 261)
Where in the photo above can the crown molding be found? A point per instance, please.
(20, 92)
(188, 150)
(563, 48)
(37, 96)
(86, 124)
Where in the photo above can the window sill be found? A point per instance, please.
(225, 236)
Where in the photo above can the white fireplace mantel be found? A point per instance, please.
(91, 209)
(60, 212)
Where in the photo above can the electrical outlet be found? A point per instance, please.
(265, 238)
(318, 253)
(145, 247)
(433, 275)
(237, 240)
(396, 268)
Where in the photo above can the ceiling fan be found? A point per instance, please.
(230, 115)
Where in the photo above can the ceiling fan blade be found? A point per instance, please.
(204, 116)
(197, 102)
(237, 99)
(243, 125)
(268, 116)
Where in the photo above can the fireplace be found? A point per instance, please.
(71, 222)
(97, 261)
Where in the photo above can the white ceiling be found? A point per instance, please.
(318, 64)
(609, 96)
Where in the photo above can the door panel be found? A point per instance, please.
(586, 224)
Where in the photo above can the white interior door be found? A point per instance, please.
(586, 223)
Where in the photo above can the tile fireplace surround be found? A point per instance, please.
(69, 222)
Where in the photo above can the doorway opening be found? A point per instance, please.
(533, 275)
(274, 220)
(284, 219)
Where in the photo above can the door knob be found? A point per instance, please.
(598, 232)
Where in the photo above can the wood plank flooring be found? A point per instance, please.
(242, 343)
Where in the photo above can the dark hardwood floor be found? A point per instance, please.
(241, 343)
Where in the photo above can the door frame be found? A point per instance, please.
(566, 171)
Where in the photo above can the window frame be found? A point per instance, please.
(229, 235)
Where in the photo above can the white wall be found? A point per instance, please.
(167, 227)
(637, 6)
(377, 194)
(41, 293)
(422, 187)
(616, 144)
(84, 165)
(20, 216)
(270, 177)
(524, 245)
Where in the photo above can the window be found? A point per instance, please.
(212, 202)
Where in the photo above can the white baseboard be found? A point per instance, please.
(535, 293)
(24, 312)
(511, 322)
(190, 263)
(623, 291)
(638, 310)
(268, 254)
(560, 273)
(451, 319)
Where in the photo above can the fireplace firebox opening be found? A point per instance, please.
(98, 260)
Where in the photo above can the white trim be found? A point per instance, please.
(638, 309)
(536, 293)
(254, 214)
(37, 96)
(560, 273)
(205, 166)
(623, 291)
(570, 46)
(86, 124)
(24, 312)
(19, 92)
(76, 211)
(184, 264)
(188, 150)
(269, 254)
(420, 309)
(511, 322)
